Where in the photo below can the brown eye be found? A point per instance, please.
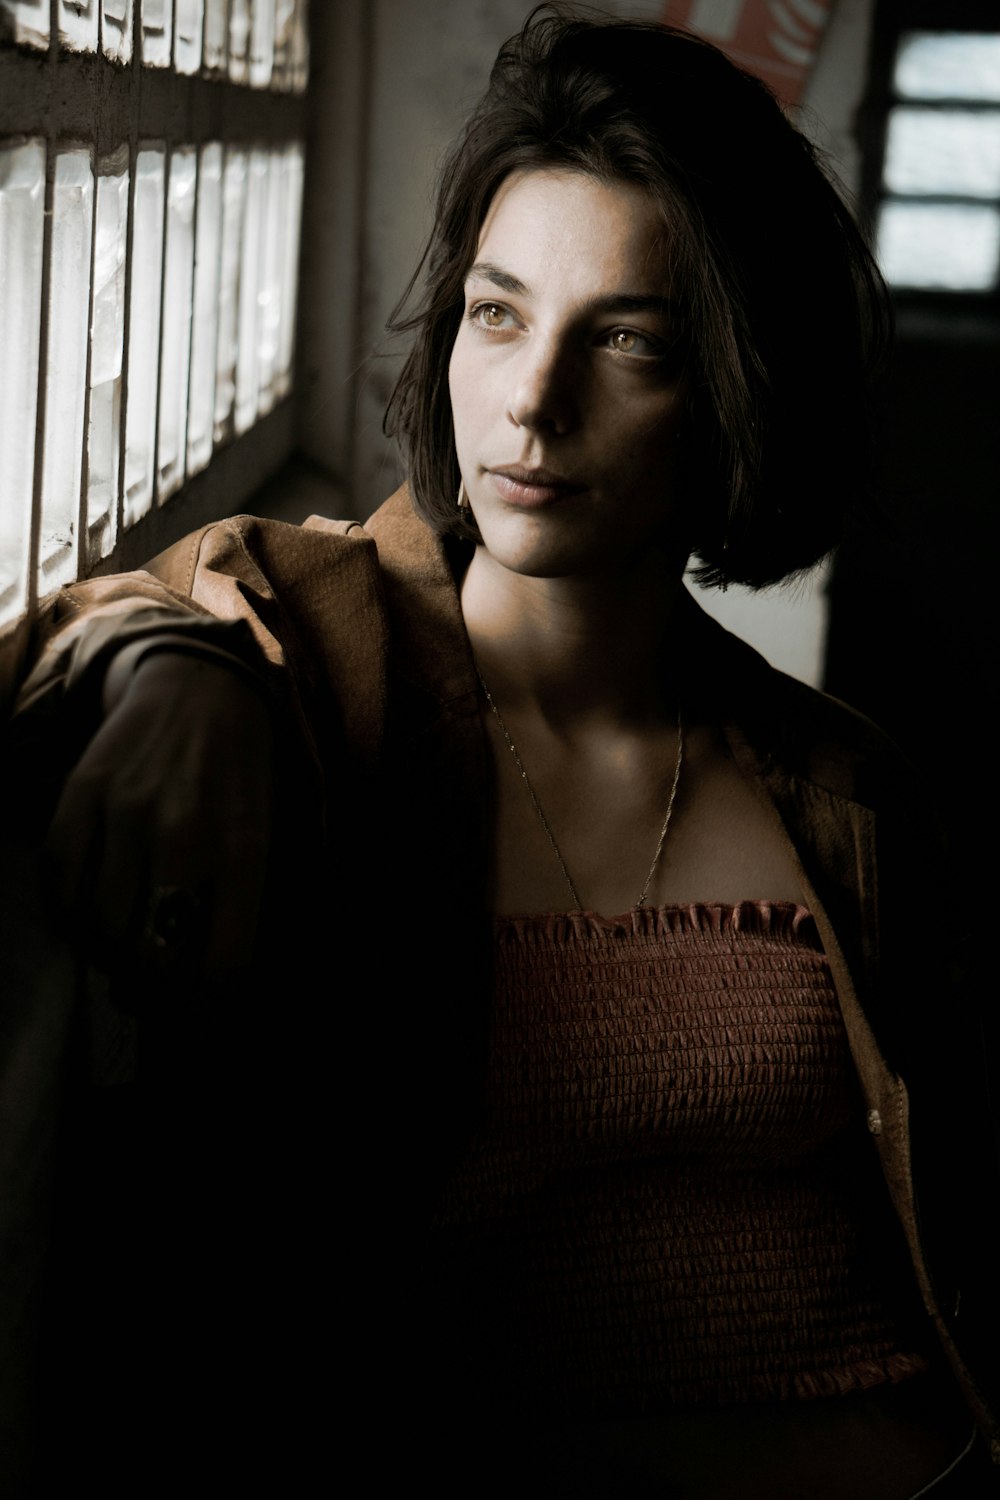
(492, 315)
(623, 340)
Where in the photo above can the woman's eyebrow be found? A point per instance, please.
(484, 271)
(614, 302)
(634, 302)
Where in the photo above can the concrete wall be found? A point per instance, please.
(392, 82)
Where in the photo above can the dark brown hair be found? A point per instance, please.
(787, 313)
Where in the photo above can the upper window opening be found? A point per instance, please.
(939, 220)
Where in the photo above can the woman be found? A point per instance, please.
(641, 1064)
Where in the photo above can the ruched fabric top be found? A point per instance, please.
(674, 1199)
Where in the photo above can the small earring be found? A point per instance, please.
(463, 498)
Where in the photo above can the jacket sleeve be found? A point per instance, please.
(296, 609)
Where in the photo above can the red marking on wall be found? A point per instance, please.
(775, 39)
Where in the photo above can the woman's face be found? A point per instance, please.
(566, 380)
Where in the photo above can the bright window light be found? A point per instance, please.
(251, 261)
(262, 44)
(157, 32)
(178, 282)
(234, 192)
(239, 40)
(284, 23)
(215, 36)
(946, 246)
(292, 166)
(204, 327)
(78, 24)
(269, 282)
(299, 70)
(31, 21)
(955, 152)
(116, 29)
(144, 333)
(66, 367)
(22, 217)
(107, 324)
(948, 65)
(188, 35)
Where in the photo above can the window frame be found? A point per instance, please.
(71, 99)
(977, 311)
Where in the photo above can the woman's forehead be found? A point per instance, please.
(556, 224)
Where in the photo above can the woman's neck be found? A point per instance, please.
(575, 647)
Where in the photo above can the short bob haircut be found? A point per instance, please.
(787, 314)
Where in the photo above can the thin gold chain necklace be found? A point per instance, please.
(577, 903)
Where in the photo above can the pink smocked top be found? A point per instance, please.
(674, 1199)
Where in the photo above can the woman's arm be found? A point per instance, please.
(158, 842)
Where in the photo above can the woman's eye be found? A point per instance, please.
(629, 341)
(490, 315)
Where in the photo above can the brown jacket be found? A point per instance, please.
(363, 638)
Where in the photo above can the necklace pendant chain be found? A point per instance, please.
(577, 903)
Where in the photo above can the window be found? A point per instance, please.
(147, 278)
(939, 212)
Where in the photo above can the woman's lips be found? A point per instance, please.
(528, 487)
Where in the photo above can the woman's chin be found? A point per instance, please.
(540, 551)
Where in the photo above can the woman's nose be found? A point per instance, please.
(544, 395)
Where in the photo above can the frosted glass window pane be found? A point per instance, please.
(284, 26)
(262, 44)
(31, 21)
(216, 27)
(955, 246)
(144, 333)
(234, 189)
(22, 214)
(251, 259)
(66, 366)
(107, 324)
(116, 29)
(78, 24)
(944, 151)
(187, 35)
(270, 281)
(300, 48)
(239, 40)
(178, 283)
(948, 65)
(157, 32)
(293, 168)
(204, 331)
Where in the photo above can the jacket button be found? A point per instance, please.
(874, 1122)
